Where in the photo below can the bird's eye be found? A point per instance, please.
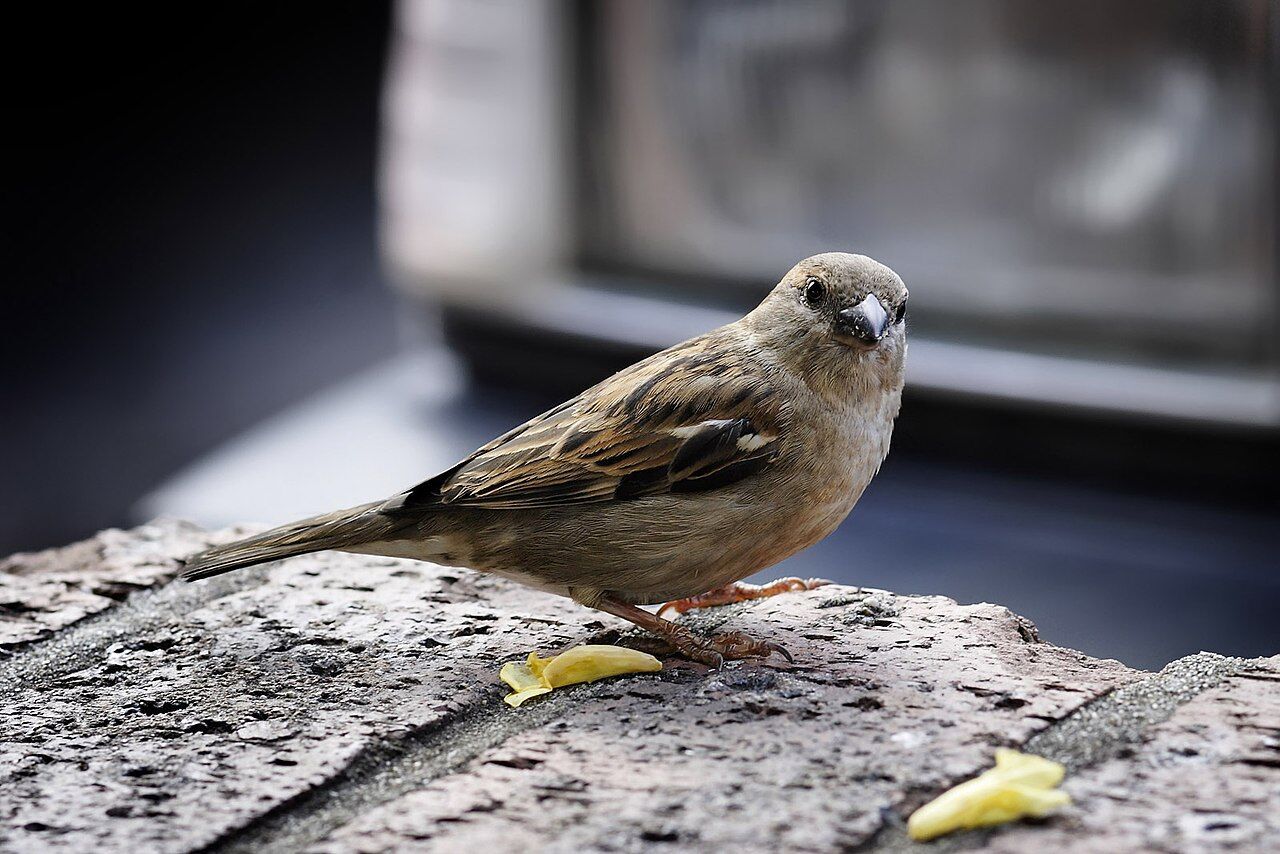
(814, 291)
(901, 312)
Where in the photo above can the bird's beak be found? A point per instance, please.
(864, 324)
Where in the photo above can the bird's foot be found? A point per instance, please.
(714, 651)
(740, 591)
(729, 646)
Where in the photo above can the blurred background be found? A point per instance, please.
(281, 260)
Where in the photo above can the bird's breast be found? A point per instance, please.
(839, 452)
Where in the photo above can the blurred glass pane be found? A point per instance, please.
(1072, 176)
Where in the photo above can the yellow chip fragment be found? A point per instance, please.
(1020, 785)
(586, 663)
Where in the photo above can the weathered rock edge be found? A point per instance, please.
(342, 703)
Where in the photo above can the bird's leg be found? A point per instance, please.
(713, 650)
(740, 591)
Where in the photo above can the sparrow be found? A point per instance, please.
(671, 480)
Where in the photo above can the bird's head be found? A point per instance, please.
(834, 313)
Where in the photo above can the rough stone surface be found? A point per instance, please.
(1212, 768)
(41, 593)
(339, 703)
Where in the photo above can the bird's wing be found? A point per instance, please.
(687, 419)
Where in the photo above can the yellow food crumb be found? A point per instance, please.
(1020, 785)
(586, 663)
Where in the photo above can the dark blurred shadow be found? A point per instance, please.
(192, 243)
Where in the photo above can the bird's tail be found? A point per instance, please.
(342, 529)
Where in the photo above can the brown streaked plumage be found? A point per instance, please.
(648, 430)
(678, 476)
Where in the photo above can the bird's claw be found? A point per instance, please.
(780, 650)
(731, 646)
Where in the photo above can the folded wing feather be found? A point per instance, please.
(683, 420)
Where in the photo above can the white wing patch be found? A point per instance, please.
(754, 441)
(686, 431)
(746, 443)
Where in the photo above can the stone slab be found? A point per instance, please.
(339, 703)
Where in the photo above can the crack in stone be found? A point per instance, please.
(391, 768)
(83, 644)
(1097, 731)
(1102, 728)
(385, 771)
